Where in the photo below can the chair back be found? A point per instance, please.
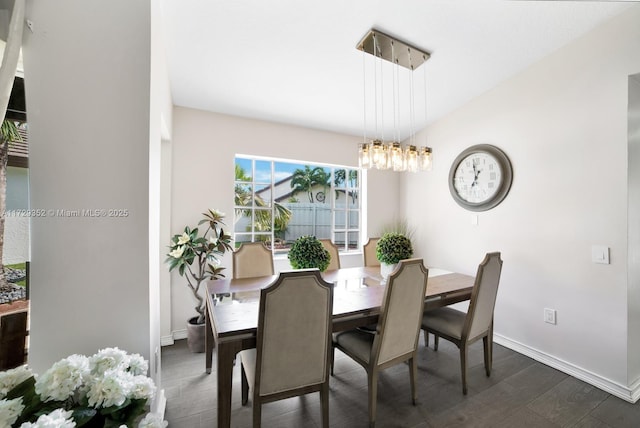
(369, 252)
(483, 297)
(294, 332)
(334, 263)
(252, 259)
(13, 339)
(401, 312)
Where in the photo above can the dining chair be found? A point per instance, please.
(13, 339)
(396, 337)
(334, 263)
(293, 346)
(477, 323)
(252, 259)
(369, 252)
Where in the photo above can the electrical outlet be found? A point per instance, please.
(550, 316)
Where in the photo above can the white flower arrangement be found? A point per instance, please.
(108, 389)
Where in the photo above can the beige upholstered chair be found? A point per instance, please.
(477, 323)
(291, 358)
(333, 251)
(396, 338)
(13, 339)
(369, 252)
(252, 259)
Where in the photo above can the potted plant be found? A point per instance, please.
(196, 254)
(391, 248)
(307, 252)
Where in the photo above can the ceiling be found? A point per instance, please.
(296, 62)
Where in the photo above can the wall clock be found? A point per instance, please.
(480, 177)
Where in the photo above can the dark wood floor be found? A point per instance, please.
(520, 393)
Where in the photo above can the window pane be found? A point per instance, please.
(340, 218)
(354, 217)
(263, 172)
(240, 239)
(262, 220)
(243, 223)
(354, 240)
(338, 239)
(243, 195)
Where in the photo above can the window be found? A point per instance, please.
(278, 201)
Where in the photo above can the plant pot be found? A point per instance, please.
(386, 269)
(195, 335)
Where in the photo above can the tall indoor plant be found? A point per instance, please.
(196, 254)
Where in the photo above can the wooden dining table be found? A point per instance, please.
(358, 293)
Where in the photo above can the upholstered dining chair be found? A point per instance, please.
(477, 323)
(396, 337)
(293, 342)
(369, 252)
(334, 263)
(252, 259)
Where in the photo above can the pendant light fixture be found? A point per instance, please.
(376, 153)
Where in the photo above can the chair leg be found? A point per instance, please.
(257, 413)
(488, 354)
(245, 386)
(436, 339)
(413, 373)
(425, 333)
(324, 399)
(463, 366)
(373, 397)
(333, 358)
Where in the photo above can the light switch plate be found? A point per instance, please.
(600, 254)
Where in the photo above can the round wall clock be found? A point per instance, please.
(480, 177)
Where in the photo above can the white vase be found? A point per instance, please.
(386, 269)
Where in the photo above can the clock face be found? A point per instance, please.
(477, 178)
(480, 177)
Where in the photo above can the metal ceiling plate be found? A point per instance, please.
(393, 50)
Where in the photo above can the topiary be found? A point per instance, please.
(393, 247)
(307, 252)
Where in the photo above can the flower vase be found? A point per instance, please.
(386, 269)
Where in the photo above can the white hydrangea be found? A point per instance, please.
(110, 389)
(10, 378)
(153, 420)
(142, 387)
(59, 418)
(137, 364)
(10, 410)
(63, 378)
(108, 359)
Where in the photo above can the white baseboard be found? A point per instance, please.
(159, 403)
(175, 335)
(630, 394)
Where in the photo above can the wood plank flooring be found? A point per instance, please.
(520, 393)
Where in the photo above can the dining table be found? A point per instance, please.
(231, 322)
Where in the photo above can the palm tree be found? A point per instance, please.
(304, 180)
(8, 134)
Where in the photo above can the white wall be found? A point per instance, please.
(87, 79)
(634, 230)
(563, 124)
(204, 147)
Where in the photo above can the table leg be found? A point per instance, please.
(226, 354)
(209, 341)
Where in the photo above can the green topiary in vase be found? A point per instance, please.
(307, 252)
(391, 248)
